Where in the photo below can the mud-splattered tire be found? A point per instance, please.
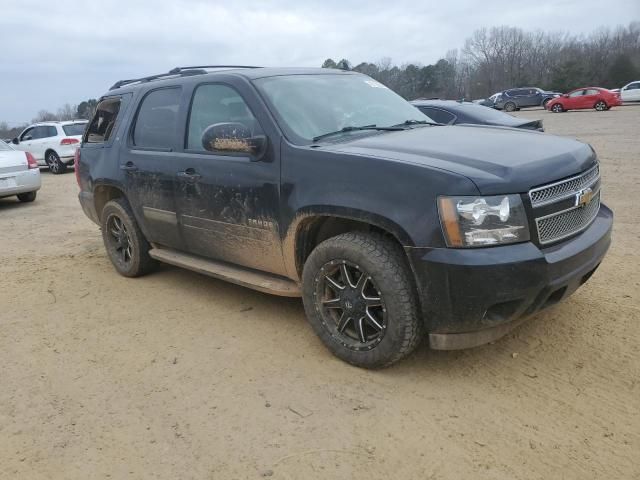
(126, 246)
(373, 321)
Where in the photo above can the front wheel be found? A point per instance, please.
(557, 108)
(125, 243)
(54, 163)
(360, 299)
(600, 106)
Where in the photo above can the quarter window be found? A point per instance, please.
(214, 104)
(103, 121)
(156, 123)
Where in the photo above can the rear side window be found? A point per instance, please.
(437, 115)
(74, 129)
(592, 91)
(52, 131)
(577, 93)
(101, 126)
(156, 123)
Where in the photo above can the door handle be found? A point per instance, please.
(189, 175)
(128, 167)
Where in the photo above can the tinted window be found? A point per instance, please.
(437, 115)
(217, 104)
(74, 128)
(156, 123)
(51, 131)
(633, 86)
(102, 124)
(42, 131)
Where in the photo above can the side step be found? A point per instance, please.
(263, 282)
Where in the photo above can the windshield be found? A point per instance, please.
(4, 146)
(74, 128)
(309, 106)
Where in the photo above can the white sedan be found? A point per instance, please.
(19, 174)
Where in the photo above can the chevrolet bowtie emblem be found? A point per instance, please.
(584, 197)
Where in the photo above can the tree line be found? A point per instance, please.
(84, 110)
(498, 58)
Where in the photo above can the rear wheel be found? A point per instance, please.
(54, 163)
(126, 246)
(510, 107)
(557, 108)
(360, 299)
(27, 197)
(600, 106)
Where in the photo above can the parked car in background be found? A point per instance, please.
(19, 174)
(325, 184)
(517, 98)
(451, 112)
(489, 101)
(52, 144)
(584, 98)
(630, 92)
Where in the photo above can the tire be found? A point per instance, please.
(54, 163)
(126, 246)
(557, 108)
(373, 321)
(510, 107)
(600, 106)
(27, 197)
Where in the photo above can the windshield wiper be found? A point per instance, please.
(408, 123)
(354, 129)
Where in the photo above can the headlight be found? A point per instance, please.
(483, 221)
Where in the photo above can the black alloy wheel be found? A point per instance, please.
(351, 305)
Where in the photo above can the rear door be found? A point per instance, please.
(228, 199)
(148, 161)
(631, 93)
(590, 98)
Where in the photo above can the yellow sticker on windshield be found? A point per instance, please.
(374, 84)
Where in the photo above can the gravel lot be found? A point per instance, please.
(178, 376)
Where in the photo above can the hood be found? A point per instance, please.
(497, 160)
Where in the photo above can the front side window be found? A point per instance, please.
(213, 105)
(308, 106)
(27, 134)
(157, 120)
(102, 124)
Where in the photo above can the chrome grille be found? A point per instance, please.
(563, 189)
(563, 224)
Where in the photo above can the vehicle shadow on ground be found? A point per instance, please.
(9, 203)
(287, 314)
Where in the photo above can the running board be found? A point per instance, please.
(263, 282)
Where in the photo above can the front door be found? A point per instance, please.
(574, 99)
(228, 198)
(148, 161)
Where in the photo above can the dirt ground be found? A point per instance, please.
(179, 376)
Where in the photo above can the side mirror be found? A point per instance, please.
(15, 141)
(233, 137)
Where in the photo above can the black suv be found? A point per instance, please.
(517, 98)
(327, 185)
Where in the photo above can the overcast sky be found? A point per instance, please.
(67, 51)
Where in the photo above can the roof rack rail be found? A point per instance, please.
(178, 71)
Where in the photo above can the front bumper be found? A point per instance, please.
(473, 296)
(23, 181)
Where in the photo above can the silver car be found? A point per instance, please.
(19, 174)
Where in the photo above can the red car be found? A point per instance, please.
(590, 97)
